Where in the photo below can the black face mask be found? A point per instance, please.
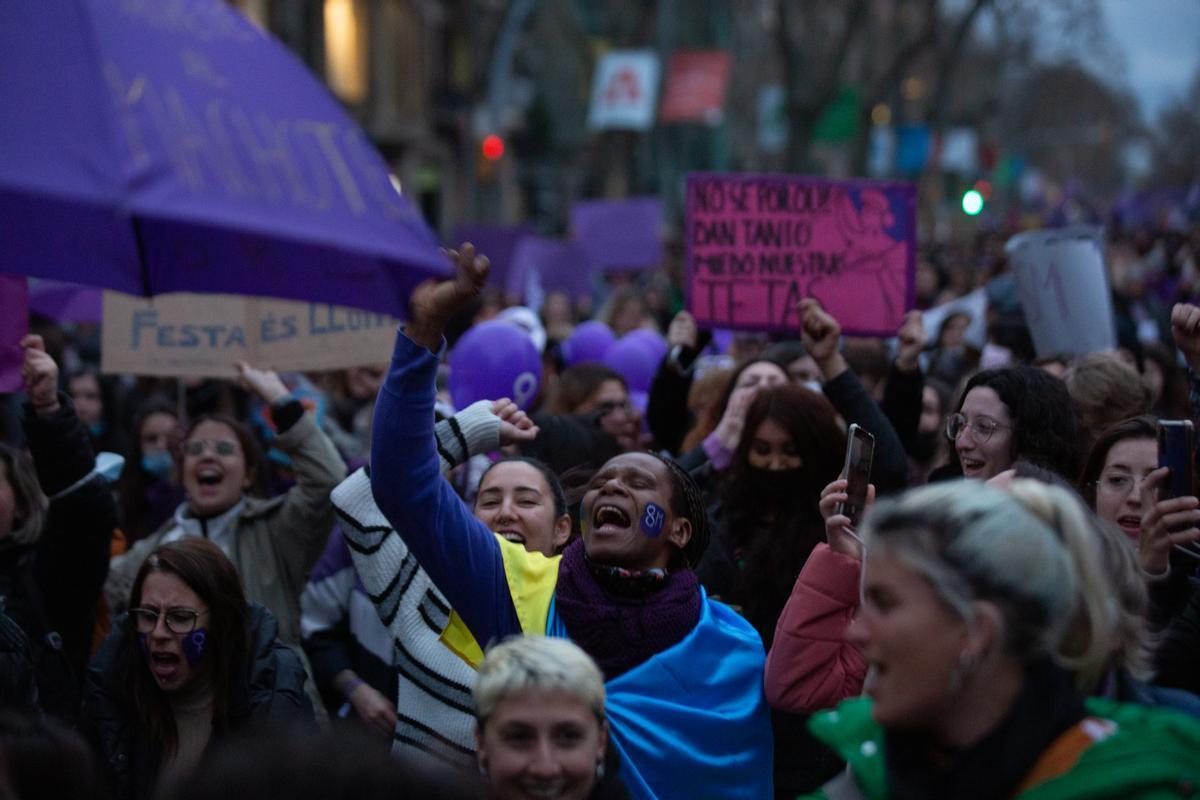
(780, 487)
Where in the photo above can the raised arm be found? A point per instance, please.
(811, 666)
(821, 333)
(306, 516)
(457, 551)
(72, 553)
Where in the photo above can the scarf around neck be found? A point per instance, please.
(992, 768)
(621, 629)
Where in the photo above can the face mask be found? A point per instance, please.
(158, 464)
(812, 386)
(777, 485)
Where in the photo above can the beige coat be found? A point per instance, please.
(276, 542)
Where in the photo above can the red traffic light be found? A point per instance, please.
(492, 147)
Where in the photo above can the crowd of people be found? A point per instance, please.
(341, 585)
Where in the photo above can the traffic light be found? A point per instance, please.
(972, 202)
(492, 148)
(487, 160)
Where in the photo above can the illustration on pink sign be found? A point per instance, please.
(758, 244)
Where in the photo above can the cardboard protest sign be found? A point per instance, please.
(1063, 287)
(14, 324)
(204, 335)
(758, 244)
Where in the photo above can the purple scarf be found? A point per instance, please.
(621, 631)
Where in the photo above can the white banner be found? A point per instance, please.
(1063, 287)
(624, 91)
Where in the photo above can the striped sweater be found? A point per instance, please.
(434, 708)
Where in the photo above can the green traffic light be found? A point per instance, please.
(972, 202)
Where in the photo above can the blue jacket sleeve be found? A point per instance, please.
(458, 551)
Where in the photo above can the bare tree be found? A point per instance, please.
(814, 39)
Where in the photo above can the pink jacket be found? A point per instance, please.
(811, 666)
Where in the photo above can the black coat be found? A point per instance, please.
(272, 692)
(50, 587)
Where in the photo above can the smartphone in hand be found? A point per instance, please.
(860, 451)
(1176, 445)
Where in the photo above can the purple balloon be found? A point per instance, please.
(653, 341)
(492, 360)
(588, 342)
(634, 361)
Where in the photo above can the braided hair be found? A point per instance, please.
(687, 501)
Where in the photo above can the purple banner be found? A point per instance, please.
(157, 147)
(548, 265)
(620, 235)
(14, 324)
(497, 242)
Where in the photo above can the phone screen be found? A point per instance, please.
(860, 451)
(1175, 446)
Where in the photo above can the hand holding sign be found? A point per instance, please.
(40, 374)
(264, 383)
(821, 334)
(1185, 327)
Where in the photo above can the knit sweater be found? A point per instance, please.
(434, 708)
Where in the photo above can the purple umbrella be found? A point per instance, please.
(155, 147)
(66, 302)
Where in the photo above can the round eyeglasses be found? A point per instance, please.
(981, 429)
(180, 620)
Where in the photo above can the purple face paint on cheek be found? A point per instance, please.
(653, 519)
(193, 646)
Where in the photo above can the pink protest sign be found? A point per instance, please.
(758, 244)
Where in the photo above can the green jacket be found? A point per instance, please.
(1153, 753)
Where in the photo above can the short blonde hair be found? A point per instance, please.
(539, 663)
(1032, 551)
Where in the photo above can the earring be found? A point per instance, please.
(483, 769)
(599, 770)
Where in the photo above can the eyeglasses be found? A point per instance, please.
(180, 619)
(222, 447)
(1118, 484)
(981, 429)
